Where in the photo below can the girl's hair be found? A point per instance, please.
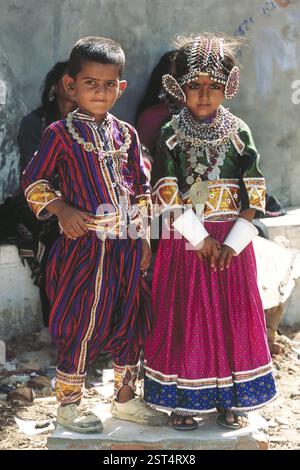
(49, 104)
(96, 49)
(154, 86)
(184, 44)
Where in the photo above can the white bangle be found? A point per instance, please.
(241, 234)
(190, 228)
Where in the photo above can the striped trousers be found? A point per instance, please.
(99, 303)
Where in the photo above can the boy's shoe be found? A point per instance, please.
(139, 412)
(75, 418)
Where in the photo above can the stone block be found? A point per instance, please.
(124, 435)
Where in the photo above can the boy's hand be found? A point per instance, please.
(210, 249)
(146, 255)
(73, 221)
(226, 256)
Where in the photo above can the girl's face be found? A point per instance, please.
(203, 96)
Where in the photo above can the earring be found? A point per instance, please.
(52, 93)
(172, 87)
(233, 83)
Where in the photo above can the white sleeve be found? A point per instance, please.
(241, 234)
(190, 228)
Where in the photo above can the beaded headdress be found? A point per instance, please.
(205, 57)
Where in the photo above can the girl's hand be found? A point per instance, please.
(211, 248)
(146, 255)
(226, 256)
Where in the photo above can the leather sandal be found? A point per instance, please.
(183, 426)
(222, 421)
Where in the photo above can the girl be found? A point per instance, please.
(208, 349)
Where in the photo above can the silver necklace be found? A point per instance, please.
(198, 138)
(90, 147)
(199, 134)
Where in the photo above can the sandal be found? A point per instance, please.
(222, 421)
(183, 426)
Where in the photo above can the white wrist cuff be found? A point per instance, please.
(241, 234)
(190, 227)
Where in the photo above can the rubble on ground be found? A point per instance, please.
(28, 403)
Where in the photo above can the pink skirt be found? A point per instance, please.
(208, 347)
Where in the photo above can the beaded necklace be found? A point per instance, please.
(90, 147)
(210, 139)
(200, 139)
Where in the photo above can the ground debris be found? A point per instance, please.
(283, 435)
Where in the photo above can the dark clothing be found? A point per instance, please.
(30, 134)
(42, 233)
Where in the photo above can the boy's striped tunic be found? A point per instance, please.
(99, 301)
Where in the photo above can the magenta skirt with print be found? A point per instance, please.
(208, 347)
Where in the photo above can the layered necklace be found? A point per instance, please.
(200, 139)
(90, 147)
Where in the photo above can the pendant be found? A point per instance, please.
(88, 147)
(201, 169)
(190, 180)
(199, 192)
(214, 174)
(193, 155)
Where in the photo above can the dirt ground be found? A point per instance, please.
(283, 415)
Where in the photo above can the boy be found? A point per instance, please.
(98, 299)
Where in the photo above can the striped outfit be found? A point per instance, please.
(99, 301)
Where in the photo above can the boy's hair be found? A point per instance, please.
(184, 45)
(96, 49)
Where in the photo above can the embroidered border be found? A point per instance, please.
(236, 377)
(39, 194)
(256, 189)
(69, 387)
(246, 395)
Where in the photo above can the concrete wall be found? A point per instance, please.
(36, 33)
(20, 307)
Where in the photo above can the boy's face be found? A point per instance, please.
(203, 96)
(96, 88)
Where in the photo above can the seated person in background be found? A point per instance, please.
(154, 110)
(156, 107)
(56, 103)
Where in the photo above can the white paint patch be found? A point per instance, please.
(296, 94)
(2, 92)
(2, 352)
